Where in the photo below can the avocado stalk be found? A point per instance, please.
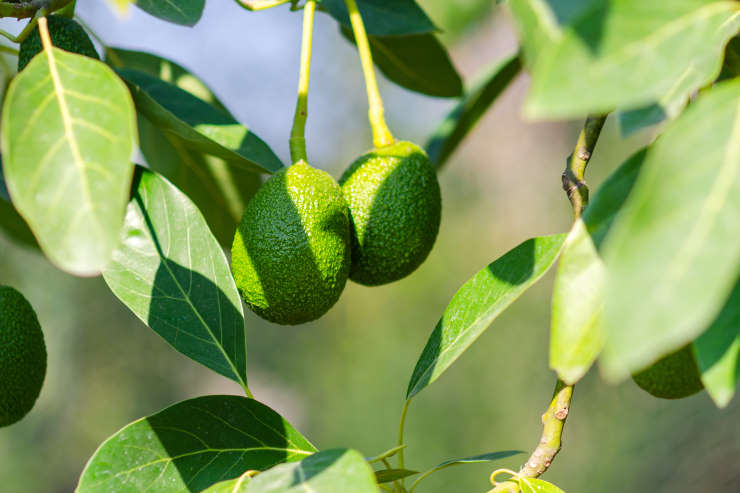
(381, 133)
(298, 132)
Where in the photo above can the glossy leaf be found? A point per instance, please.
(576, 337)
(590, 56)
(163, 69)
(185, 12)
(220, 190)
(474, 103)
(418, 62)
(170, 271)
(68, 133)
(192, 445)
(383, 18)
(199, 125)
(389, 475)
(479, 301)
(673, 254)
(329, 471)
(717, 352)
(534, 485)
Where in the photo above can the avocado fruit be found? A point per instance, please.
(290, 256)
(395, 210)
(66, 34)
(672, 377)
(22, 356)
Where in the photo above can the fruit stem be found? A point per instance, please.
(381, 133)
(575, 169)
(298, 133)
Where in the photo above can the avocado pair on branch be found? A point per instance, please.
(304, 234)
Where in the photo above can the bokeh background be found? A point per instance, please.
(341, 380)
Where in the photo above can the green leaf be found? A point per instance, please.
(383, 18)
(717, 352)
(185, 12)
(533, 485)
(191, 445)
(673, 254)
(329, 471)
(591, 56)
(388, 475)
(163, 69)
(170, 271)
(68, 133)
(475, 459)
(474, 103)
(221, 191)
(576, 337)
(198, 125)
(479, 301)
(11, 223)
(236, 485)
(731, 64)
(418, 62)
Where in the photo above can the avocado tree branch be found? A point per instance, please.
(554, 418)
(575, 170)
(23, 10)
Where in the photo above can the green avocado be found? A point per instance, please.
(395, 208)
(66, 34)
(673, 377)
(291, 256)
(22, 356)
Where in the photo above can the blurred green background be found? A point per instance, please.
(342, 380)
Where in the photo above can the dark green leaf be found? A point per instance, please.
(489, 457)
(170, 271)
(388, 475)
(329, 471)
(192, 445)
(185, 12)
(479, 301)
(591, 56)
(419, 63)
(383, 18)
(472, 106)
(533, 485)
(731, 64)
(163, 69)
(673, 254)
(68, 133)
(717, 352)
(220, 190)
(11, 223)
(198, 124)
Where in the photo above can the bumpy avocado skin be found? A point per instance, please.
(22, 356)
(291, 255)
(674, 377)
(395, 207)
(66, 34)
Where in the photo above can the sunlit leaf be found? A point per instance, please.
(673, 255)
(479, 301)
(533, 485)
(329, 471)
(591, 56)
(192, 445)
(171, 272)
(68, 133)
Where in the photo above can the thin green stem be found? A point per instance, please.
(381, 133)
(574, 174)
(298, 132)
(401, 427)
(26, 30)
(385, 455)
